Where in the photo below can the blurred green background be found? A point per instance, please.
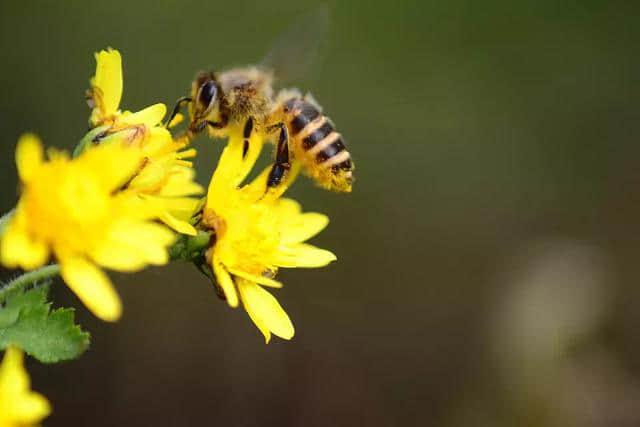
(488, 257)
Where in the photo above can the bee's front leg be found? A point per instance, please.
(282, 165)
(198, 126)
(248, 129)
(176, 109)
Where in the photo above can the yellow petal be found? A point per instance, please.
(131, 245)
(302, 227)
(160, 137)
(250, 156)
(130, 242)
(265, 281)
(174, 188)
(29, 155)
(186, 154)
(233, 166)
(30, 408)
(149, 116)
(177, 119)
(265, 311)
(56, 155)
(183, 207)
(130, 205)
(152, 176)
(302, 255)
(17, 248)
(25, 407)
(225, 282)
(113, 163)
(288, 207)
(118, 256)
(13, 377)
(181, 183)
(92, 286)
(182, 227)
(108, 80)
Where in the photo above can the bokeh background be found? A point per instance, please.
(489, 258)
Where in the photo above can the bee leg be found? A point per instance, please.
(198, 127)
(218, 125)
(179, 103)
(281, 166)
(248, 128)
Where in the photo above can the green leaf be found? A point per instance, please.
(49, 336)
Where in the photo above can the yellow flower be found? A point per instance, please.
(166, 179)
(105, 95)
(73, 208)
(255, 234)
(19, 406)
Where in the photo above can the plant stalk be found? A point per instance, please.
(28, 278)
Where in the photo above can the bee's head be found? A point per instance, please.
(205, 94)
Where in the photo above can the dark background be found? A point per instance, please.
(488, 258)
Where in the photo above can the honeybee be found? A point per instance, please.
(220, 101)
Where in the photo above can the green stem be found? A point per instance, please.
(189, 248)
(29, 278)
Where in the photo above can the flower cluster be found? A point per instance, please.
(125, 199)
(101, 208)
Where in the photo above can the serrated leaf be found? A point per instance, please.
(49, 336)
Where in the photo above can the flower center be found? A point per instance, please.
(214, 222)
(66, 205)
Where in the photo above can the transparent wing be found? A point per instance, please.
(298, 47)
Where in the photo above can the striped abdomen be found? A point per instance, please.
(321, 147)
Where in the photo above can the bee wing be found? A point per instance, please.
(297, 48)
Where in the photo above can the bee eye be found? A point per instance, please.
(207, 94)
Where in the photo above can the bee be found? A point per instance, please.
(244, 97)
